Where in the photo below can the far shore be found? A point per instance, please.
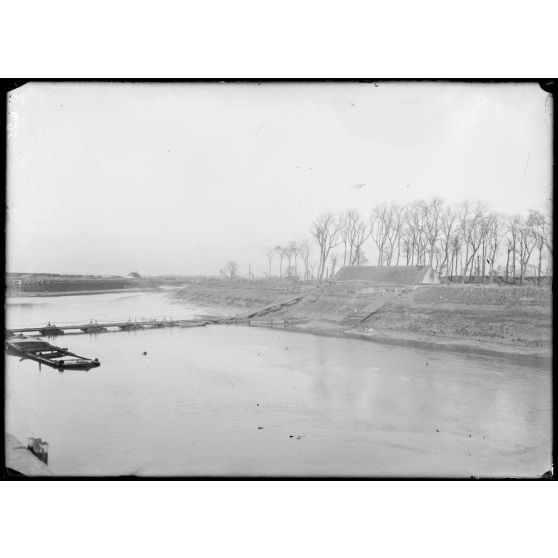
(474, 319)
(511, 322)
(24, 294)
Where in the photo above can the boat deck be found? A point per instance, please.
(50, 355)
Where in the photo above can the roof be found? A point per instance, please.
(401, 274)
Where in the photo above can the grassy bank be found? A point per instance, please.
(494, 318)
(238, 294)
(517, 318)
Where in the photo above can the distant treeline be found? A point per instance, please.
(465, 240)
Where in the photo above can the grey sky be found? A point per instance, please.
(178, 178)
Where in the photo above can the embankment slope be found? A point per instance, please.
(517, 319)
(511, 319)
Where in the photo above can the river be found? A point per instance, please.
(234, 400)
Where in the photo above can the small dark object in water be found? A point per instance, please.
(257, 404)
(437, 430)
(260, 427)
(469, 435)
(291, 436)
(144, 353)
(286, 348)
(426, 363)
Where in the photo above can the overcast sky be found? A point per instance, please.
(178, 178)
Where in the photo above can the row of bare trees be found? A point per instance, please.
(347, 230)
(464, 240)
(293, 260)
(329, 232)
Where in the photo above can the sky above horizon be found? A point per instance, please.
(165, 178)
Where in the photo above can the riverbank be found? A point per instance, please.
(485, 319)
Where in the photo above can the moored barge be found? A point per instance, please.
(45, 353)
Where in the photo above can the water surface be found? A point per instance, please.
(230, 400)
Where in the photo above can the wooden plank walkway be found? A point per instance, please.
(262, 311)
(96, 327)
(104, 326)
(353, 320)
(271, 307)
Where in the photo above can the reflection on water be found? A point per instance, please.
(228, 400)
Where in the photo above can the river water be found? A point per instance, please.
(233, 400)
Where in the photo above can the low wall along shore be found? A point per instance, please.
(512, 319)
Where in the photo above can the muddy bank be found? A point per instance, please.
(474, 318)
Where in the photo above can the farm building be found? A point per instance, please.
(395, 275)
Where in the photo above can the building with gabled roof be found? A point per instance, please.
(394, 275)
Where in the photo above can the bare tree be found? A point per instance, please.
(325, 231)
(269, 255)
(354, 233)
(540, 231)
(311, 268)
(496, 232)
(548, 235)
(396, 221)
(463, 217)
(280, 251)
(407, 237)
(512, 243)
(230, 271)
(508, 251)
(305, 252)
(548, 231)
(285, 256)
(484, 231)
(344, 232)
(333, 262)
(291, 251)
(380, 225)
(456, 253)
(527, 243)
(296, 254)
(465, 239)
(471, 223)
(447, 239)
(415, 217)
(432, 223)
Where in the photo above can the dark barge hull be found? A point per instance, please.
(51, 331)
(45, 353)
